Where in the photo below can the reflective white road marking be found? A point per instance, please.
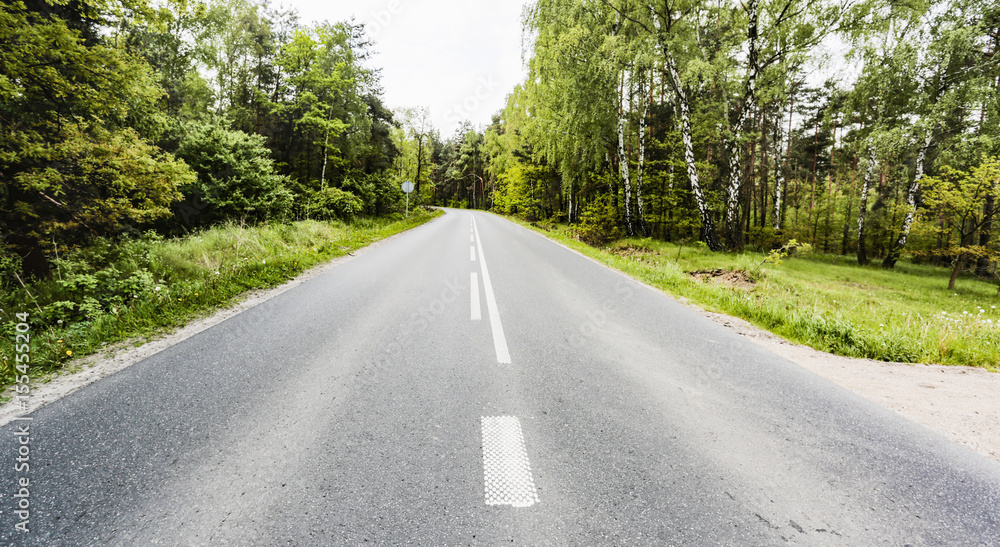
(506, 470)
(499, 341)
(477, 310)
(472, 253)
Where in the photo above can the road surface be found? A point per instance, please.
(472, 383)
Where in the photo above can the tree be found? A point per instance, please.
(74, 162)
(236, 177)
(954, 209)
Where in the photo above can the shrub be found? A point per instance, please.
(236, 177)
(330, 203)
(599, 222)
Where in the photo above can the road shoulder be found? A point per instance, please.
(960, 403)
(82, 372)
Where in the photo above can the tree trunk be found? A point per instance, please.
(734, 232)
(640, 208)
(863, 207)
(911, 207)
(326, 152)
(959, 264)
(623, 161)
(983, 265)
(420, 159)
(707, 224)
(847, 212)
(779, 170)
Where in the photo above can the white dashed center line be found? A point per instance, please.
(506, 470)
(477, 310)
(472, 253)
(499, 341)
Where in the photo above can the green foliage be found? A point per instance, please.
(10, 268)
(520, 190)
(598, 222)
(331, 203)
(236, 175)
(86, 181)
(775, 256)
(73, 161)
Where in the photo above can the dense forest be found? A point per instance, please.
(714, 122)
(121, 117)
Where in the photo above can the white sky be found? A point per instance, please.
(459, 59)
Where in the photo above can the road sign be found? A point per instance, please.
(407, 187)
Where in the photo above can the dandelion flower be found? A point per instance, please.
(68, 352)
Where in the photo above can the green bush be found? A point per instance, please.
(331, 203)
(236, 178)
(598, 222)
(10, 265)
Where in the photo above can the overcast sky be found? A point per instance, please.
(459, 59)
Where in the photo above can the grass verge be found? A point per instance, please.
(827, 302)
(114, 291)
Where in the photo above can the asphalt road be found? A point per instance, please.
(371, 405)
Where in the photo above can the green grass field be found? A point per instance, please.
(828, 302)
(112, 292)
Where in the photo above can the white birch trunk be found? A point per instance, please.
(326, 151)
(707, 224)
(734, 233)
(640, 209)
(911, 205)
(863, 206)
(623, 166)
(779, 177)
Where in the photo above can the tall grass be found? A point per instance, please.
(113, 291)
(828, 302)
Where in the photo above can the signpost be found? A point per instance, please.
(407, 187)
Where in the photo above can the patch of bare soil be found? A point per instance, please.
(961, 403)
(631, 251)
(732, 278)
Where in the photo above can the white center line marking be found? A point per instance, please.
(499, 341)
(472, 253)
(506, 470)
(477, 310)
